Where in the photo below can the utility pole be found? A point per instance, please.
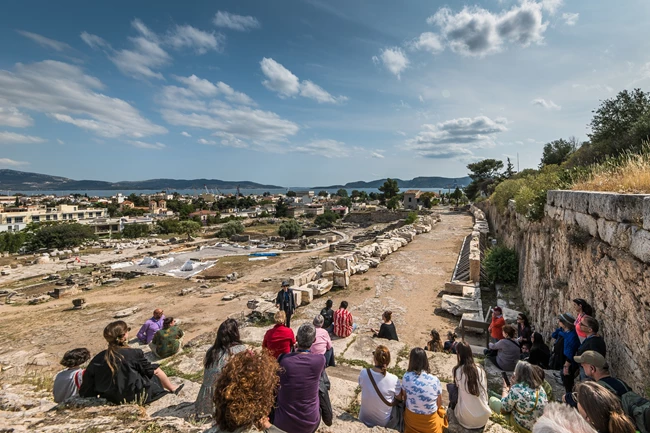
(517, 162)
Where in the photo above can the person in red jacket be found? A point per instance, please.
(279, 339)
(496, 327)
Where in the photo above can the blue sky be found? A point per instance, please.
(307, 92)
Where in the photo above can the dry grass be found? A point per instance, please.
(629, 174)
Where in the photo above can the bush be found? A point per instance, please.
(531, 198)
(501, 265)
(290, 229)
(133, 231)
(66, 235)
(12, 242)
(167, 226)
(230, 228)
(412, 217)
(327, 219)
(505, 191)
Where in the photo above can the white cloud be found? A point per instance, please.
(377, 155)
(11, 116)
(6, 162)
(327, 148)
(144, 145)
(204, 141)
(477, 32)
(45, 42)
(428, 42)
(570, 19)
(546, 104)
(456, 138)
(198, 40)
(393, 59)
(198, 85)
(58, 140)
(551, 5)
(61, 91)
(94, 41)
(235, 22)
(186, 134)
(286, 84)
(13, 138)
(202, 87)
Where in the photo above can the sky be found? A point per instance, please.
(305, 92)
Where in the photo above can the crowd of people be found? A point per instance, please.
(285, 386)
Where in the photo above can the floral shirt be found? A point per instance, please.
(422, 392)
(524, 404)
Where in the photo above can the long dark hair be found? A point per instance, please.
(115, 335)
(418, 361)
(227, 337)
(525, 320)
(586, 308)
(538, 342)
(468, 367)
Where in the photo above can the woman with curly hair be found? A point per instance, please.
(123, 375)
(226, 345)
(245, 393)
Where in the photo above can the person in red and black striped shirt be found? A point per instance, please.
(343, 323)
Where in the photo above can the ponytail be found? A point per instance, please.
(382, 358)
(620, 423)
(115, 335)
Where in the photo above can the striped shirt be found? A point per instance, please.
(342, 323)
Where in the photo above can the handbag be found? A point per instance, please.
(396, 421)
(452, 389)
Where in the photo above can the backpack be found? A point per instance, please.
(634, 406)
(556, 362)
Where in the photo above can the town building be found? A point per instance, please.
(294, 212)
(314, 209)
(341, 210)
(412, 199)
(15, 219)
(203, 215)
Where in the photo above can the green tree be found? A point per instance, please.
(291, 193)
(327, 219)
(290, 229)
(344, 201)
(501, 265)
(411, 217)
(65, 235)
(281, 209)
(133, 231)
(137, 200)
(393, 203)
(323, 193)
(355, 193)
(342, 192)
(389, 189)
(230, 228)
(483, 174)
(168, 226)
(457, 195)
(558, 151)
(510, 170)
(12, 242)
(189, 228)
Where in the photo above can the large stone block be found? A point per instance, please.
(320, 287)
(307, 295)
(458, 305)
(640, 245)
(578, 201)
(471, 292)
(616, 234)
(329, 265)
(454, 287)
(625, 208)
(341, 278)
(587, 223)
(364, 345)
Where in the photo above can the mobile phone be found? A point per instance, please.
(505, 378)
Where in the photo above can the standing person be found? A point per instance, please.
(286, 302)
(299, 404)
(343, 322)
(247, 388)
(539, 352)
(423, 396)
(123, 375)
(602, 409)
(376, 381)
(435, 344)
(226, 345)
(450, 344)
(151, 326)
(524, 401)
(387, 329)
(507, 350)
(323, 343)
(567, 331)
(497, 324)
(524, 331)
(472, 409)
(168, 341)
(592, 341)
(68, 381)
(328, 316)
(280, 338)
(582, 309)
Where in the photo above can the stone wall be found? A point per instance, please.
(378, 216)
(594, 246)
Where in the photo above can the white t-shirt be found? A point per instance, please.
(472, 411)
(67, 384)
(373, 411)
(422, 392)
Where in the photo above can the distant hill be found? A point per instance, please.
(418, 182)
(12, 180)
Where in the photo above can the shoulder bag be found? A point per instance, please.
(396, 421)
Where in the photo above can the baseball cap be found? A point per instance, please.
(285, 283)
(591, 357)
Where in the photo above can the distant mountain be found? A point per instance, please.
(12, 180)
(418, 182)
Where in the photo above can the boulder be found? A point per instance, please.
(329, 266)
(363, 346)
(126, 312)
(341, 278)
(458, 305)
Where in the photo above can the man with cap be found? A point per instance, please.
(286, 302)
(596, 368)
(567, 331)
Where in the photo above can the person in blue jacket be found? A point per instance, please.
(571, 343)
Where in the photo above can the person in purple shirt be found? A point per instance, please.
(303, 396)
(151, 326)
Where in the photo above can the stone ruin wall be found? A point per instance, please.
(378, 216)
(594, 246)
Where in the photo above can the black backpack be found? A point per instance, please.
(557, 357)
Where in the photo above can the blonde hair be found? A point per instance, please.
(560, 418)
(280, 317)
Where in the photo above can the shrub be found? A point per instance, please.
(61, 236)
(501, 265)
(505, 191)
(230, 228)
(531, 197)
(327, 219)
(412, 217)
(290, 229)
(133, 231)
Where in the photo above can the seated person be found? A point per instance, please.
(435, 344)
(387, 329)
(328, 315)
(323, 343)
(151, 326)
(68, 381)
(450, 344)
(343, 322)
(280, 338)
(505, 352)
(168, 341)
(525, 351)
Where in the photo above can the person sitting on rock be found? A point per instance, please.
(423, 412)
(567, 331)
(151, 326)
(472, 410)
(387, 329)
(244, 394)
(435, 344)
(303, 399)
(451, 343)
(497, 324)
(558, 418)
(68, 381)
(123, 375)
(524, 401)
(378, 387)
(328, 315)
(525, 350)
(602, 409)
(589, 326)
(539, 351)
(343, 322)
(323, 343)
(286, 302)
(168, 341)
(524, 331)
(505, 352)
(280, 338)
(226, 345)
